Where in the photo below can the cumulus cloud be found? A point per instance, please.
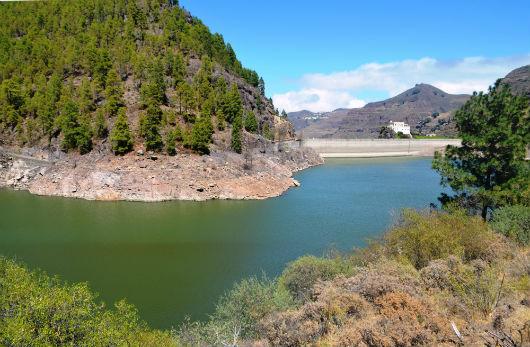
(325, 92)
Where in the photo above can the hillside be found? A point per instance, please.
(519, 81)
(108, 83)
(424, 107)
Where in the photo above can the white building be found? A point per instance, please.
(400, 127)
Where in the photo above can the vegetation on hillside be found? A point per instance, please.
(67, 67)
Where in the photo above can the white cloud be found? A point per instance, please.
(316, 100)
(455, 76)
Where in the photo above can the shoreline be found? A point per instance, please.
(222, 175)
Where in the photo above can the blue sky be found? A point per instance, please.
(323, 55)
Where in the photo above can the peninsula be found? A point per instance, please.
(151, 106)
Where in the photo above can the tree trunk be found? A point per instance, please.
(484, 212)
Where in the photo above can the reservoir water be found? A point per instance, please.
(176, 258)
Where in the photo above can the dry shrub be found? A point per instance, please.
(369, 309)
(400, 320)
(372, 284)
(409, 321)
(519, 265)
(402, 270)
(332, 306)
(472, 287)
(436, 275)
(347, 335)
(289, 329)
(330, 299)
(514, 320)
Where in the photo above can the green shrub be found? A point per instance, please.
(245, 305)
(36, 310)
(421, 236)
(300, 275)
(513, 222)
(477, 285)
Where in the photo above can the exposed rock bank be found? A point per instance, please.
(259, 174)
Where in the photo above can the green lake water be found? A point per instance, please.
(173, 259)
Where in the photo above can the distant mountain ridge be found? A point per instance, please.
(424, 107)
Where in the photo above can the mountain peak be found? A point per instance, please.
(422, 93)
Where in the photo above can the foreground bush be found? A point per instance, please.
(238, 313)
(36, 310)
(247, 303)
(369, 309)
(513, 222)
(428, 270)
(300, 275)
(422, 236)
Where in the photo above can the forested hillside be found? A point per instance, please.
(127, 73)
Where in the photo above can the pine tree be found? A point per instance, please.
(113, 93)
(121, 135)
(171, 139)
(77, 132)
(11, 100)
(251, 125)
(84, 136)
(102, 66)
(261, 86)
(179, 69)
(221, 97)
(85, 97)
(154, 92)
(202, 81)
(232, 107)
(201, 135)
(259, 104)
(185, 95)
(267, 131)
(69, 125)
(149, 128)
(209, 107)
(489, 169)
(236, 141)
(101, 125)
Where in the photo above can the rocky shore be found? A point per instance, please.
(261, 173)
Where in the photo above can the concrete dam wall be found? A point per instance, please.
(359, 148)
